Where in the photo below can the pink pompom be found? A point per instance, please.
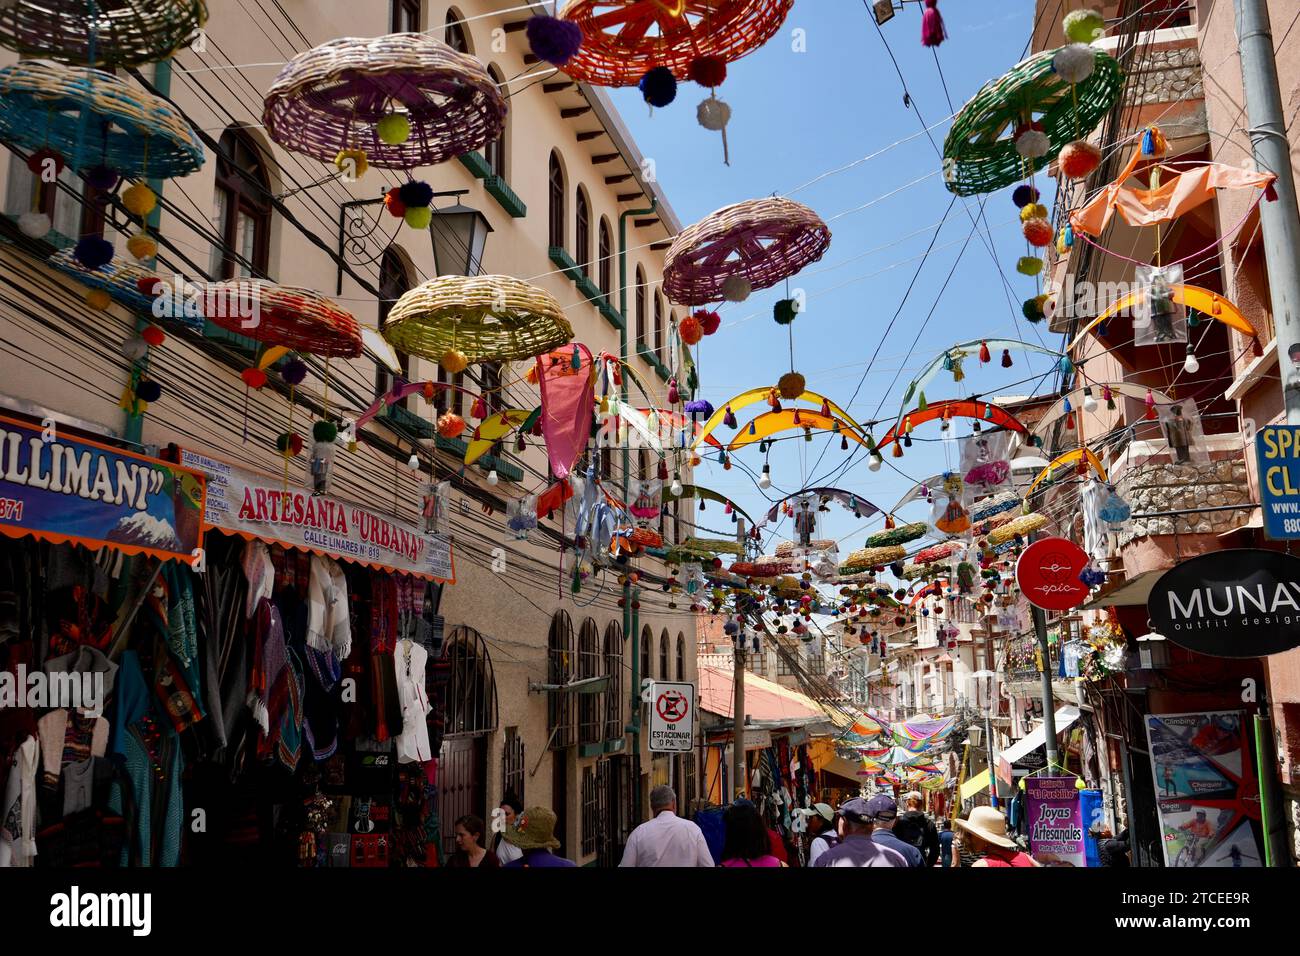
(932, 29)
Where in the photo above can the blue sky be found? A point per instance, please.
(795, 116)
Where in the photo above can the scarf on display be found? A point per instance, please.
(383, 641)
(266, 687)
(169, 611)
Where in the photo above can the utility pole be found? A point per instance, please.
(738, 722)
(1049, 702)
(1279, 220)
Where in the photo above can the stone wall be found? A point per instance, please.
(1163, 76)
(1170, 487)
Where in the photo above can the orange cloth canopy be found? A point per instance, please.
(1181, 193)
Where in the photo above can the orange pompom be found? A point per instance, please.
(1038, 232)
(1079, 159)
(450, 425)
(691, 330)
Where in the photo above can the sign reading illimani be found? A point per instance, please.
(1236, 603)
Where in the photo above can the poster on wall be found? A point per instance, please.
(1205, 792)
(66, 489)
(1054, 816)
(247, 503)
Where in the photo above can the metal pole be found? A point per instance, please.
(1049, 702)
(738, 726)
(1279, 220)
(988, 745)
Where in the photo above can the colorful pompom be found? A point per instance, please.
(393, 202)
(553, 39)
(98, 299)
(394, 129)
(658, 87)
(294, 371)
(1033, 211)
(1079, 159)
(1024, 195)
(153, 335)
(1038, 232)
(35, 225)
(253, 377)
(708, 71)
(352, 163)
(1029, 265)
(419, 217)
(1033, 144)
(691, 330)
(288, 444)
(93, 252)
(454, 361)
(784, 311)
(736, 288)
(324, 431)
(1084, 26)
(710, 322)
(450, 425)
(147, 390)
(139, 200)
(1075, 62)
(142, 246)
(415, 194)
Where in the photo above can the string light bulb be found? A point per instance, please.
(676, 488)
(1089, 403)
(765, 479)
(875, 461)
(413, 462)
(493, 477)
(1191, 366)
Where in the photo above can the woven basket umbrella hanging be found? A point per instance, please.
(750, 245)
(107, 33)
(285, 320)
(396, 102)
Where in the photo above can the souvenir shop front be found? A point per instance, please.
(230, 669)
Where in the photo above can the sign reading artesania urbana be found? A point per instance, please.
(1237, 603)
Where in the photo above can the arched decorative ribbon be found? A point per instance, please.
(696, 491)
(957, 408)
(1194, 297)
(1076, 398)
(745, 399)
(861, 507)
(769, 423)
(1073, 455)
(958, 353)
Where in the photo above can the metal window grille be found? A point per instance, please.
(590, 816)
(512, 765)
(560, 671)
(663, 656)
(590, 711)
(681, 656)
(471, 688)
(614, 668)
(556, 219)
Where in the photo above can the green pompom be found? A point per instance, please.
(419, 217)
(1029, 265)
(1084, 26)
(288, 443)
(1032, 310)
(784, 311)
(324, 431)
(394, 129)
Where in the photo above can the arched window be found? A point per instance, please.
(394, 282)
(659, 326)
(471, 706)
(640, 308)
(614, 669)
(663, 655)
(241, 217)
(495, 152)
(647, 638)
(582, 232)
(559, 670)
(681, 656)
(590, 716)
(454, 32)
(556, 223)
(606, 256)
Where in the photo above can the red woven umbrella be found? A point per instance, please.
(298, 319)
(624, 39)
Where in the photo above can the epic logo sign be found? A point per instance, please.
(1237, 603)
(1048, 574)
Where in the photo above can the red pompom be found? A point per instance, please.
(1038, 232)
(1079, 159)
(708, 71)
(148, 285)
(153, 335)
(393, 203)
(253, 377)
(709, 321)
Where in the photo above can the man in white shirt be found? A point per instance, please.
(821, 827)
(666, 839)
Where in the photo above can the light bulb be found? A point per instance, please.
(676, 488)
(765, 479)
(493, 477)
(413, 462)
(874, 462)
(1089, 403)
(1191, 366)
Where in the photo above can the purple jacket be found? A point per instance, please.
(539, 858)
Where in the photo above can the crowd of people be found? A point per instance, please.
(863, 831)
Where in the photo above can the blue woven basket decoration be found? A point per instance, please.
(121, 33)
(92, 118)
(120, 279)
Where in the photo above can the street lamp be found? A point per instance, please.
(991, 677)
(459, 234)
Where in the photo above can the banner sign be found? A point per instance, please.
(1205, 789)
(254, 505)
(66, 489)
(1054, 816)
(1243, 602)
(1277, 450)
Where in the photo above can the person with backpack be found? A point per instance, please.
(916, 828)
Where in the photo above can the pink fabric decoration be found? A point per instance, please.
(567, 396)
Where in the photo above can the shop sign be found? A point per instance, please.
(1054, 816)
(247, 503)
(672, 716)
(1206, 795)
(65, 489)
(1277, 450)
(1048, 574)
(1242, 602)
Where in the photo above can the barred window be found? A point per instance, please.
(512, 766)
(560, 671)
(590, 711)
(590, 817)
(614, 669)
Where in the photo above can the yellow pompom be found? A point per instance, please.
(142, 246)
(1033, 211)
(454, 360)
(98, 299)
(139, 200)
(352, 163)
(394, 129)
(419, 217)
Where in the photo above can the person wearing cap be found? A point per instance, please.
(986, 832)
(534, 833)
(856, 847)
(821, 830)
(667, 839)
(884, 811)
(916, 828)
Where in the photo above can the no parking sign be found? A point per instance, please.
(672, 716)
